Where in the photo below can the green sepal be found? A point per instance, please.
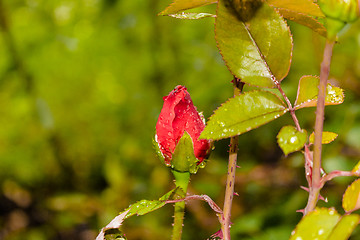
(158, 152)
(183, 158)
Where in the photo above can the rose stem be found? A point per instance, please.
(319, 123)
(230, 181)
(181, 180)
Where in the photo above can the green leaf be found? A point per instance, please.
(257, 51)
(327, 137)
(191, 16)
(345, 227)
(290, 139)
(307, 7)
(351, 198)
(303, 19)
(242, 113)
(316, 225)
(181, 5)
(308, 91)
(356, 169)
(145, 206)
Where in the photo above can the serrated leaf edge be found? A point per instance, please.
(248, 92)
(273, 78)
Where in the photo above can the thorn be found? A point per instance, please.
(304, 188)
(324, 199)
(236, 194)
(238, 166)
(301, 211)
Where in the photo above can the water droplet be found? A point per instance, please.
(321, 231)
(294, 140)
(222, 124)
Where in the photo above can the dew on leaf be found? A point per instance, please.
(294, 140)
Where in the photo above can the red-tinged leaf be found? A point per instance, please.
(306, 7)
(181, 5)
(351, 197)
(257, 51)
(243, 113)
(303, 19)
(308, 91)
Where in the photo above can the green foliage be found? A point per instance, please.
(145, 206)
(345, 227)
(308, 92)
(325, 224)
(257, 51)
(79, 101)
(350, 201)
(304, 12)
(243, 113)
(181, 5)
(327, 137)
(291, 140)
(305, 7)
(316, 225)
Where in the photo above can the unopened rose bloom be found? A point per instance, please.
(179, 115)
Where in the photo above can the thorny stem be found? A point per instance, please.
(319, 123)
(230, 181)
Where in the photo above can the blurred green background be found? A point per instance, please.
(81, 86)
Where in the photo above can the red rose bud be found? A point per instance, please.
(177, 131)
